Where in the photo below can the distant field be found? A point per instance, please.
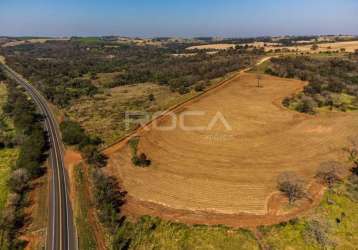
(233, 171)
(32, 41)
(349, 46)
(213, 46)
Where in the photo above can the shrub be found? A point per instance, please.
(19, 180)
(291, 185)
(108, 198)
(72, 133)
(199, 87)
(317, 231)
(330, 172)
(141, 161)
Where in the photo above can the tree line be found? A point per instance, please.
(31, 140)
(107, 195)
(327, 80)
(58, 68)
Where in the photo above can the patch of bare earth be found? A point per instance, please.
(221, 46)
(35, 231)
(222, 176)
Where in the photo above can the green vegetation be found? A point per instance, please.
(140, 160)
(153, 233)
(108, 200)
(74, 134)
(31, 142)
(60, 69)
(7, 159)
(333, 82)
(96, 80)
(333, 225)
(84, 226)
(8, 155)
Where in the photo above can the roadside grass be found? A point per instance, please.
(153, 233)
(338, 211)
(7, 159)
(84, 227)
(8, 156)
(104, 115)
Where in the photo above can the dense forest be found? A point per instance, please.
(58, 68)
(332, 82)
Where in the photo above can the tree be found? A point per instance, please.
(306, 105)
(291, 185)
(19, 180)
(315, 47)
(93, 156)
(330, 172)
(72, 132)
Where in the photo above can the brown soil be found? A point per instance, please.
(135, 208)
(35, 230)
(222, 46)
(230, 176)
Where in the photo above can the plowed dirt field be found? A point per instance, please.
(232, 171)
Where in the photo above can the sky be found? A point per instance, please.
(177, 18)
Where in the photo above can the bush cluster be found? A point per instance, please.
(328, 80)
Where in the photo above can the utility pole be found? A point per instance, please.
(258, 77)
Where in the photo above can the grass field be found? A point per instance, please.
(152, 233)
(85, 231)
(213, 46)
(338, 216)
(233, 171)
(349, 46)
(7, 158)
(104, 115)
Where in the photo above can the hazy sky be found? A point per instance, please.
(188, 18)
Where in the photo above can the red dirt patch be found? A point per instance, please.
(135, 208)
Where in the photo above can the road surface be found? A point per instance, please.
(61, 233)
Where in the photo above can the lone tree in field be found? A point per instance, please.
(330, 172)
(314, 47)
(291, 185)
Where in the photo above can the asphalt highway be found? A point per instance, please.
(61, 234)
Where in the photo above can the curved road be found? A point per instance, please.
(61, 233)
